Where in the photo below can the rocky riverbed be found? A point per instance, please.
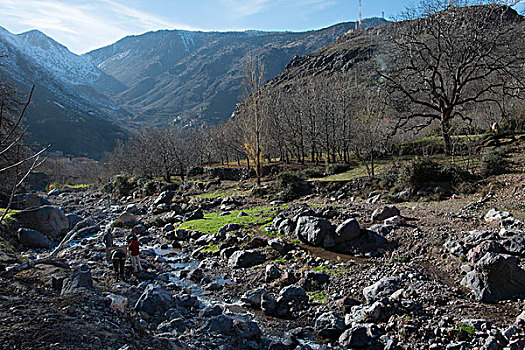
(324, 274)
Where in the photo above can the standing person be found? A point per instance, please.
(119, 259)
(108, 242)
(134, 252)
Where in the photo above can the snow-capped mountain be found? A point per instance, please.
(520, 7)
(66, 108)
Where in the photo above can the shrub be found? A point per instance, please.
(291, 185)
(425, 172)
(493, 162)
(123, 185)
(54, 185)
(150, 188)
(337, 168)
(311, 173)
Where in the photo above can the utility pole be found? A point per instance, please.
(359, 14)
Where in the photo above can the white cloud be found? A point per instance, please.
(80, 25)
(244, 8)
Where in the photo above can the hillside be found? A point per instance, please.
(66, 109)
(197, 76)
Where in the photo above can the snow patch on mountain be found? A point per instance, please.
(187, 38)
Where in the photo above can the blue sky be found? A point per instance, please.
(84, 25)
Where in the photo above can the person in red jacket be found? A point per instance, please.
(134, 252)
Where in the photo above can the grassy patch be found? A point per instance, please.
(320, 297)
(358, 171)
(78, 186)
(211, 249)
(466, 328)
(222, 193)
(10, 213)
(332, 271)
(212, 222)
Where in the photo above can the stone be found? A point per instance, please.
(286, 227)
(382, 288)
(125, 219)
(312, 230)
(268, 304)
(282, 247)
(329, 325)
(246, 258)
(73, 219)
(228, 228)
(210, 311)
(155, 300)
(194, 215)
(481, 249)
(385, 212)
(186, 301)
(33, 239)
(221, 324)
(227, 252)
(496, 277)
(491, 343)
(164, 198)
(138, 229)
(515, 245)
(195, 275)
(394, 220)
(80, 280)
(373, 199)
(272, 273)
(253, 297)
(294, 293)
(496, 215)
(49, 220)
(347, 231)
(28, 200)
(247, 329)
(132, 208)
(314, 280)
(355, 337)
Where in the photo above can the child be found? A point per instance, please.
(134, 252)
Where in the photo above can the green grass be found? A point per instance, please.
(358, 171)
(331, 271)
(222, 193)
(212, 222)
(468, 329)
(78, 186)
(211, 248)
(320, 297)
(9, 213)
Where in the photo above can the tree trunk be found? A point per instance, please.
(445, 131)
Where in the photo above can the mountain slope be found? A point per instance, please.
(196, 77)
(66, 108)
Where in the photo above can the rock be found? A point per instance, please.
(125, 219)
(53, 192)
(227, 252)
(221, 324)
(228, 228)
(294, 293)
(495, 215)
(194, 215)
(49, 220)
(132, 208)
(164, 198)
(385, 212)
(382, 288)
(347, 231)
(514, 245)
(282, 247)
(118, 302)
(314, 280)
(80, 280)
(272, 273)
(480, 250)
(185, 300)
(155, 300)
(195, 275)
(454, 247)
(210, 311)
(246, 258)
(329, 325)
(355, 337)
(372, 313)
(73, 219)
(373, 199)
(496, 277)
(286, 227)
(138, 229)
(312, 230)
(394, 220)
(247, 329)
(268, 304)
(28, 200)
(491, 343)
(33, 239)
(253, 297)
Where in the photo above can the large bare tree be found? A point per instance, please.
(451, 58)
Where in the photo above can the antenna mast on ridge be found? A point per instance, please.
(359, 14)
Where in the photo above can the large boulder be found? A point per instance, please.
(154, 301)
(496, 277)
(382, 288)
(33, 239)
(355, 337)
(28, 200)
(80, 280)
(347, 231)
(253, 298)
(164, 198)
(515, 245)
(329, 325)
(385, 212)
(313, 230)
(48, 220)
(246, 258)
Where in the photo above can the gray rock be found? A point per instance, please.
(165, 197)
(73, 219)
(329, 325)
(385, 212)
(496, 277)
(294, 293)
(253, 297)
(281, 247)
(382, 288)
(272, 273)
(229, 228)
(49, 220)
(491, 343)
(268, 304)
(185, 300)
(227, 252)
(221, 324)
(247, 329)
(194, 215)
(246, 258)
(314, 280)
(355, 337)
(28, 200)
(80, 280)
(33, 239)
(312, 230)
(155, 300)
(286, 227)
(138, 229)
(515, 245)
(495, 215)
(210, 311)
(347, 231)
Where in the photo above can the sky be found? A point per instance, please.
(84, 25)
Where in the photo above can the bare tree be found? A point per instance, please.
(451, 58)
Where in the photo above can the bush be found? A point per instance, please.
(122, 185)
(195, 170)
(311, 173)
(424, 172)
(291, 185)
(54, 185)
(493, 162)
(337, 168)
(150, 188)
